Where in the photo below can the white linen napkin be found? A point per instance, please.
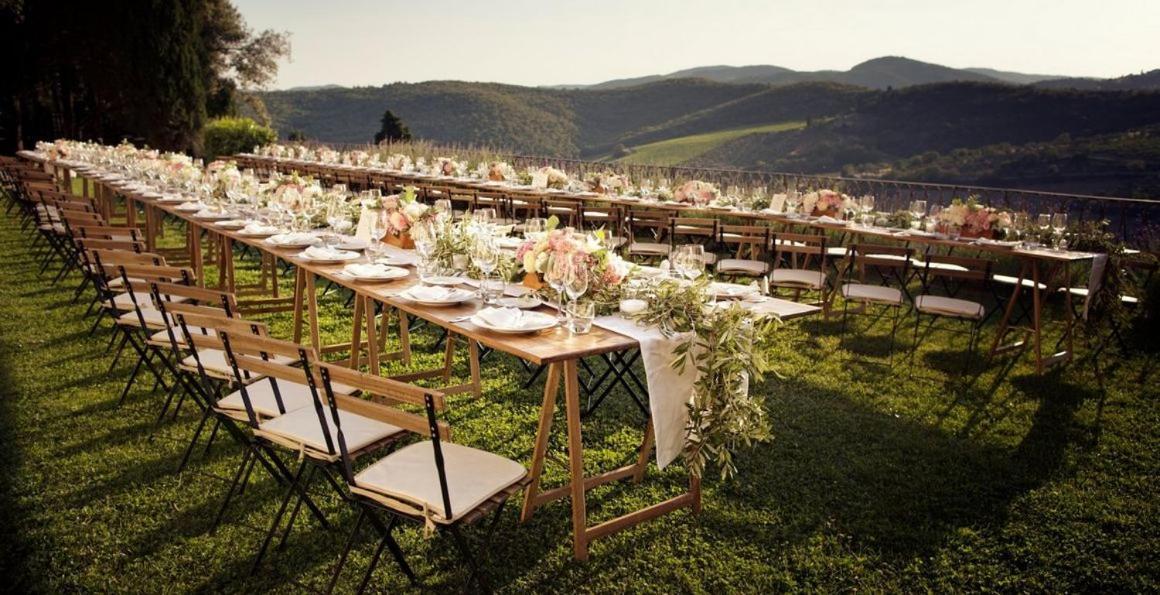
(326, 253)
(830, 220)
(257, 228)
(293, 238)
(377, 271)
(669, 391)
(429, 293)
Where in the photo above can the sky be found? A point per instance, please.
(550, 42)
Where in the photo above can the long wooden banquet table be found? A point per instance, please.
(1041, 271)
(558, 349)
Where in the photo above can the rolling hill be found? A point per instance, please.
(879, 73)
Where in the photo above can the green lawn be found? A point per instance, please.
(910, 480)
(678, 150)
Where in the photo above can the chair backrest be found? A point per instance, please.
(610, 218)
(799, 250)
(954, 272)
(653, 221)
(384, 397)
(700, 229)
(107, 232)
(887, 261)
(204, 332)
(84, 244)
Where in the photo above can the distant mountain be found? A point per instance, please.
(879, 73)
(314, 87)
(1015, 78)
(1145, 81)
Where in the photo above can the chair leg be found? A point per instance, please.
(297, 507)
(362, 513)
(289, 493)
(235, 488)
(465, 551)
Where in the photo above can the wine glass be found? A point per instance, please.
(485, 256)
(1018, 226)
(483, 216)
(338, 218)
(689, 261)
(917, 212)
(443, 209)
(1059, 225)
(1043, 222)
(575, 279)
(557, 271)
(378, 230)
(792, 200)
(932, 220)
(534, 227)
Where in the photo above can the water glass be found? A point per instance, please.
(580, 317)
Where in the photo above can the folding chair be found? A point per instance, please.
(435, 483)
(652, 225)
(955, 274)
(891, 265)
(307, 432)
(799, 265)
(748, 247)
(695, 230)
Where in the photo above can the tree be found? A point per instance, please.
(392, 129)
(152, 71)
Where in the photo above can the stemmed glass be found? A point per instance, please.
(443, 209)
(917, 212)
(378, 230)
(1018, 227)
(338, 217)
(1043, 222)
(689, 261)
(533, 227)
(558, 266)
(575, 281)
(866, 205)
(792, 200)
(485, 257)
(1059, 225)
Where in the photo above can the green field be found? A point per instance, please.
(906, 480)
(675, 151)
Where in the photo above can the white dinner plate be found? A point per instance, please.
(458, 296)
(542, 322)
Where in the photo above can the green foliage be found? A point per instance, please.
(392, 129)
(223, 137)
(878, 480)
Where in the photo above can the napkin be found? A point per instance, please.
(191, 206)
(292, 238)
(830, 220)
(429, 293)
(511, 318)
(259, 229)
(326, 253)
(207, 212)
(371, 270)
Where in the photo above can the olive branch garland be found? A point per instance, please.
(727, 345)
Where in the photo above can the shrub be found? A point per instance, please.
(230, 136)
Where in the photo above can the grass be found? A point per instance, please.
(916, 479)
(675, 151)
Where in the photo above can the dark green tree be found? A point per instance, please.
(392, 129)
(150, 71)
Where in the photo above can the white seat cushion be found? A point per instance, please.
(261, 393)
(798, 277)
(747, 267)
(649, 248)
(162, 336)
(473, 477)
(302, 427)
(56, 228)
(124, 303)
(153, 319)
(1009, 280)
(947, 306)
(214, 362)
(944, 266)
(861, 292)
(836, 251)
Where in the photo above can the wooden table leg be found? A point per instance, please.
(299, 295)
(150, 229)
(356, 333)
(312, 306)
(1037, 312)
(372, 332)
(130, 212)
(576, 459)
(1002, 330)
(195, 252)
(405, 336)
(543, 432)
(473, 364)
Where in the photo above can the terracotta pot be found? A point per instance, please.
(533, 281)
(974, 233)
(402, 240)
(826, 213)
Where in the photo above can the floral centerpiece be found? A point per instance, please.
(356, 158)
(398, 162)
(973, 219)
(826, 203)
(403, 211)
(542, 259)
(608, 183)
(696, 192)
(499, 171)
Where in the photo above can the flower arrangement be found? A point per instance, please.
(608, 183)
(973, 219)
(825, 202)
(543, 258)
(550, 177)
(398, 162)
(404, 211)
(498, 171)
(356, 158)
(696, 192)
